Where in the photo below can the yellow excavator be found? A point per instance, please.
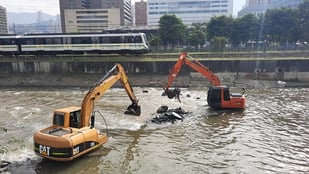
(72, 133)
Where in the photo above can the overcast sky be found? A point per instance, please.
(52, 6)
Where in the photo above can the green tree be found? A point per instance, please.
(171, 30)
(220, 26)
(303, 11)
(196, 35)
(244, 29)
(218, 43)
(154, 41)
(281, 25)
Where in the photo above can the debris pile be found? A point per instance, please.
(4, 166)
(168, 115)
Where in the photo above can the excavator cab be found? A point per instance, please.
(219, 97)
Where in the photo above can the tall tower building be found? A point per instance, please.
(93, 14)
(260, 6)
(189, 11)
(141, 13)
(3, 21)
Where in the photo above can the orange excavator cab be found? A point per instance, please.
(219, 97)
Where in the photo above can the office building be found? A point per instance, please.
(141, 13)
(93, 14)
(3, 21)
(260, 6)
(286, 3)
(189, 11)
(91, 20)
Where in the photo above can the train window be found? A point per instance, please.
(115, 39)
(138, 39)
(67, 40)
(105, 40)
(40, 41)
(53, 41)
(29, 41)
(7, 41)
(128, 39)
(81, 40)
(95, 40)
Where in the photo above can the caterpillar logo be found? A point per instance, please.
(44, 150)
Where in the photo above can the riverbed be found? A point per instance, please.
(270, 136)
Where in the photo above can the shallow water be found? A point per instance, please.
(270, 136)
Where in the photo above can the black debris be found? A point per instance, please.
(168, 115)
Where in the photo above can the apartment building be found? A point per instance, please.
(3, 21)
(141, 13)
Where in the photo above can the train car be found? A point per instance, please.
(122, 43)
(9, 44)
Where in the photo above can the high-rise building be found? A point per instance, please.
(189, 11)
(260, 6)
(285, 3)
(94, 13)
(3, 21)
(141, 13)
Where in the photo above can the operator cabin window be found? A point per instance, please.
(58, 119)
(75, 119)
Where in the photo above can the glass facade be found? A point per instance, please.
(189, 11)
(257, 6)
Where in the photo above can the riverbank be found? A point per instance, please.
(192, 80)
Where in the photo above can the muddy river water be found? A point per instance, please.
(270, 136)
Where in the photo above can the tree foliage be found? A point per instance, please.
(244, 29)
(283, 25)
(171, 30)
(218, 43)
(303, 12)
(219, 26)
(196, 35)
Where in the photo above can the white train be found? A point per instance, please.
(120, 43)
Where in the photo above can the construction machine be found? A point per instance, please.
(72, 133)
(219, 96)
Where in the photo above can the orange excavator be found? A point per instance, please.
(219, 97)
(72, 133)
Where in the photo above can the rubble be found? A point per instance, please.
(168, 115)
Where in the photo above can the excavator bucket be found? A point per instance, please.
(173, 93)
(133, 109)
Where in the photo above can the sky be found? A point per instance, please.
(51, 7)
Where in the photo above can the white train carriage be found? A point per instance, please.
(85, 43)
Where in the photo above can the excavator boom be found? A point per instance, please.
(99, 89)
(194, 64)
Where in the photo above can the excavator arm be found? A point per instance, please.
(194, 64)
(99, 89)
